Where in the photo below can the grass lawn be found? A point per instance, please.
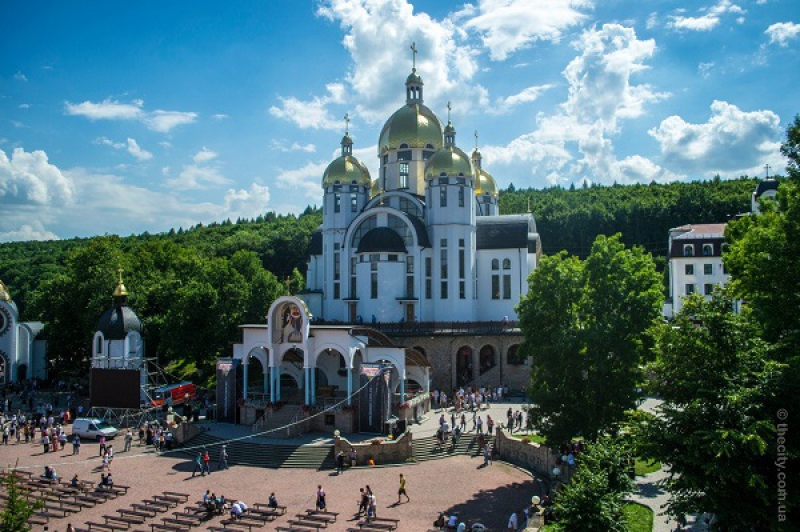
(643, 467)
(640, 518)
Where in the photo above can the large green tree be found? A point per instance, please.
(586, 328)
(716, 429)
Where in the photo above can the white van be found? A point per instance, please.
(92, 428)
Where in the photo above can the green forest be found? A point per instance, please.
(225, 274)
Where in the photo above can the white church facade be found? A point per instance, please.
(22, 355)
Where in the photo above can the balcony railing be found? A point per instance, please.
(421, 328)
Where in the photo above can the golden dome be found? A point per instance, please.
(450, 161)
(345, 170)
(413, 124)
(375, 189)
(4, 295)
(414, 78)
(485, 184)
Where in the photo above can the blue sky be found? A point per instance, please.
(122, 118)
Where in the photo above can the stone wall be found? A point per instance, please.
(386, 452)
(534, 457)
(441, 350)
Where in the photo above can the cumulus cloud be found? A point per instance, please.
(506, 26)
(706, 22)
(29, 178)
(204, 155)
(246, 203)
(19, 76)
(24, 106)
(305, 180)
(313, 113)
(220, 116)
(731, 140)
(530, 94)
(31, 231)
(194, 177)
(158, 120)
(283, 146)
(131, 146)
(781, 33)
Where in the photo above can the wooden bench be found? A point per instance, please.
(174, 521)
(239, 522)
(122, 520)
(295, 529)
(280, 509)
(183, 496)
(105, 527)
(269, 514)
(374, 524)
(308, 524)
(163, 527)
(135, 513)
(147, 508)
(331, 515)
(163, 500)
(323, 521)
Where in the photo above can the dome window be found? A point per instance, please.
(403, 146)
(404, 155)
(443, 174)
(429, 147)
(461, 174)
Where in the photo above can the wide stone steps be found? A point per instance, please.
(427, 448)
(269, 455)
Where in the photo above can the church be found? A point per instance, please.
(420, 251)
(22, 356)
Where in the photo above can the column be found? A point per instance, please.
(349, 386)
(246, 366)
(266, 379)
(307, 385)
(403, 387)
(313, 386)
(277, 383)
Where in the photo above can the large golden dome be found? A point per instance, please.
(375, 189)
(450, 161)
(413, 124)
(485, 184)
(346, 170)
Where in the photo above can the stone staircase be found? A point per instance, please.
(249, 453)
(427, 448)
(272, 423)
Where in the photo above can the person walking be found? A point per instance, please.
(128, 441)
(402, 490)
(363, 502)
(198, 465)
(206, 463)
(76, 445)
(223, 458)
(340, 463)
(102, 446)
(320, 498)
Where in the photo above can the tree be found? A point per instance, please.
(17, 508)
(593, 499)
(715, 429)
(586, 328)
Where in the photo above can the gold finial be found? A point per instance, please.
(347, 123)
(414, 56)
(4, 295)
(120, 291)
(288, 282)
(529, 205)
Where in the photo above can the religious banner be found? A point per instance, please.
(226, 389)
(373, 399)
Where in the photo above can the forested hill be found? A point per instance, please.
(571, 219)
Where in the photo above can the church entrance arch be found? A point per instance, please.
(487, 358)
(331, 374)
(463, 365)
(292, 363)
(22, 373)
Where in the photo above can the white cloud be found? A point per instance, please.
(32, 231)
(706, 22)
(24, 106)
(246, 203)
(137, 151)
(281, 145)
(705, 69)
(306, 180)
(731, 141)
(204, 155)
(652, 20)
(105, 141)
(19, 76)
(527, 95)
(165, 144)
(158, 120)
(29, 178)
(220, 116)
(311, 114)
(506, 26)
(782, 32)
(194, 177)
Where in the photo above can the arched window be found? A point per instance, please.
(514, 356)
(99, 345)
(487, 358)
(708, 250)
(506, 264)
(495, 264)
(463, 365)
(403, 146)
(421, 350)
(688, 250)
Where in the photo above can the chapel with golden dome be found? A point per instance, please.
(423, 241)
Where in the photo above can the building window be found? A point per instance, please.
(506, 287)
(373, 291)
(708, 289)
(403, 175)
(427, 154)
(708, 269)
(688, 250)
(428, 274)
(336, 266)
(428, 288)
(392, 258)
(495, 264)
(461, 196)
(495, 287)
(443, 295)
(336, 291)
(506, 264)
(404, 155)
(689, 289)
(689, 269)
(337, 203)
(410, 276)
(461, 263)
(443, 263)
(708, 250)
(353, 203)
(486, 359)
(353, 262)
(462, 290)
(442, 196)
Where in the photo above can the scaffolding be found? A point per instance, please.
(153, 376)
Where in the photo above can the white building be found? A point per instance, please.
(423, 242)
(695, 263)
(22, 356)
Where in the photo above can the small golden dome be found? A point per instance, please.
(413, 124)
(375, 189)
(120, 291)
(414, 78)
(450, 161)
(4, 294)
(346, 170)
(485, 184)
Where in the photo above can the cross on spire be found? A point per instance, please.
(476, 139)
(414, 55)
(347, 123)
(449, 108)
(119, 272)
(288, 282)
(767, 167)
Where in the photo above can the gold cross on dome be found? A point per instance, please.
(476, 139)
(288, 282)
(119, 271)
(346, 123)
(414, 55)
(767, 167)
(449, 108)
